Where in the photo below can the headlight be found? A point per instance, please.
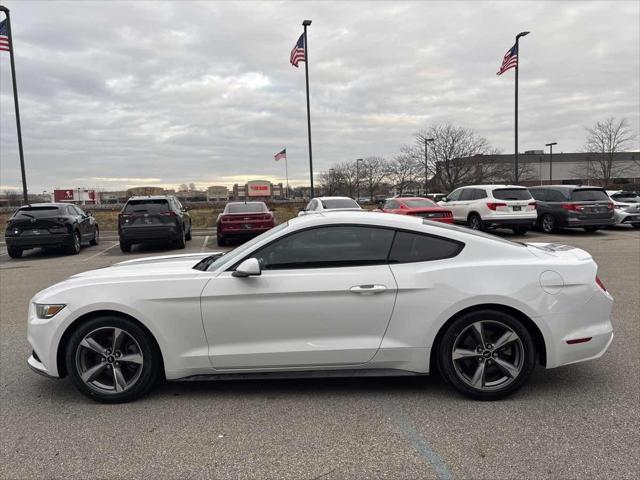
(47, 311)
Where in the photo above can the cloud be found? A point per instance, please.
(203, 92)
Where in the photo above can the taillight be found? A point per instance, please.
(572, 207)
(609, 206)
(493, 206)
(168, 214)
(600, 284)
(533, 204)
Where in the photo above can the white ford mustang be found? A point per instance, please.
(336, 294)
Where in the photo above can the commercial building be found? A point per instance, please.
(258, 190)
(143, 191)
(217, 194)
(79, 196)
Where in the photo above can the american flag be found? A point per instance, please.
(510, 60)
(297, 54)
(4, 36)
(280, 155)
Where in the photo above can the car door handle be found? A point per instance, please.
(368, 289)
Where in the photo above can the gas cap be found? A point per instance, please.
(551, 282)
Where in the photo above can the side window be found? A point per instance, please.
(539, 194)
(325, 247)
(75, 210)
(391, 205)
(555, 196)
(80, 211)
(454, 196)
(467, 194)
(414, 247)
(479, 194)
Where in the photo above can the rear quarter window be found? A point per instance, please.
(414, 247)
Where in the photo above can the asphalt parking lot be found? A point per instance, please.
(576, 421)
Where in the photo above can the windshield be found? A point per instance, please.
(339, 203)
(421, 203)
(150, 206)
(37, 212)
(589, 195)
(511, 194)
(237, 253)
(246, 208)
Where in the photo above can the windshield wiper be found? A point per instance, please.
(27, 214)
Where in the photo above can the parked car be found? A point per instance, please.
(151, 219)
(331, 295)
(626, 209)
(418, 207)
(436, 197)
(326, 204)
(243, 220)
(483, 207)
(45, 225)
(572, 206)
(624, 196)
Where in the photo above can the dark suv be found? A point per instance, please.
(153, 218)
(44, 225)
(561, 206)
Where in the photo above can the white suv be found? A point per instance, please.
(489, 206)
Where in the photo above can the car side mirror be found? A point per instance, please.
(249, 268)
(444, 199)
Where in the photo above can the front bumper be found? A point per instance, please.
(44, 337)
(36, 241)
(37, 366)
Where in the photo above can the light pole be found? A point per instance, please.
(516, 174)
(550, 145)
(358, 178)
(426, 164)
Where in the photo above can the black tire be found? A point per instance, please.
(125, 247)
(635, 225)
(138, 339)
(591, 229)
(521, 230)
(526, 358)
(14, 252)
(76, 244)
(96, 237)
(548, 223)
(221, 240)
(188, 235)
(474, 222)
(181, 240)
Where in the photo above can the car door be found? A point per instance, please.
(324, 298)
(391, 206)
(453, 203)
(84, 224)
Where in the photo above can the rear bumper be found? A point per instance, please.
(35, 241)
(241, 232)
(509, 222)
(577, 223)
(148, 234)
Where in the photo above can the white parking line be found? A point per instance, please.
(204, 245)
(100, 253)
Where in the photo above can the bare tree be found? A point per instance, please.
(450, 154)
(372, 173)
(605, 139)
(403, 171)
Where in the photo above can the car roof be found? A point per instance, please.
(568, 187)
(494, 186)
(334, 198)
(49, 204)
(410, 198)
(253, 202)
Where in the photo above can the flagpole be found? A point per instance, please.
(286, 172)
(305, 24)
(15, 102)
(515, 162)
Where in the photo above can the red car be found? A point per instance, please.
(243, 220)
(417, 206)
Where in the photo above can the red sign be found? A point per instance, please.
(62, 195)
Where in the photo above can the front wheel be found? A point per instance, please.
(486, 355)
(14, 252)
(96, 237)
(112, 360)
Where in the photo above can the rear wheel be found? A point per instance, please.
(486, 355)
(14, 252)
(591, 229)
(548, 223)
(125, 247)
(112, 360)
(188, 236)
(180, 241)
(221, 240)
(96, 237)
(74, 248)
(520, 230)
(475, 222)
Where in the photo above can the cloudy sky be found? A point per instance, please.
(148, 93)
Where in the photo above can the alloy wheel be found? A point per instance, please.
(488, 355)
(76, 242)
(475, 222)
(548, 224)
(109, 360)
